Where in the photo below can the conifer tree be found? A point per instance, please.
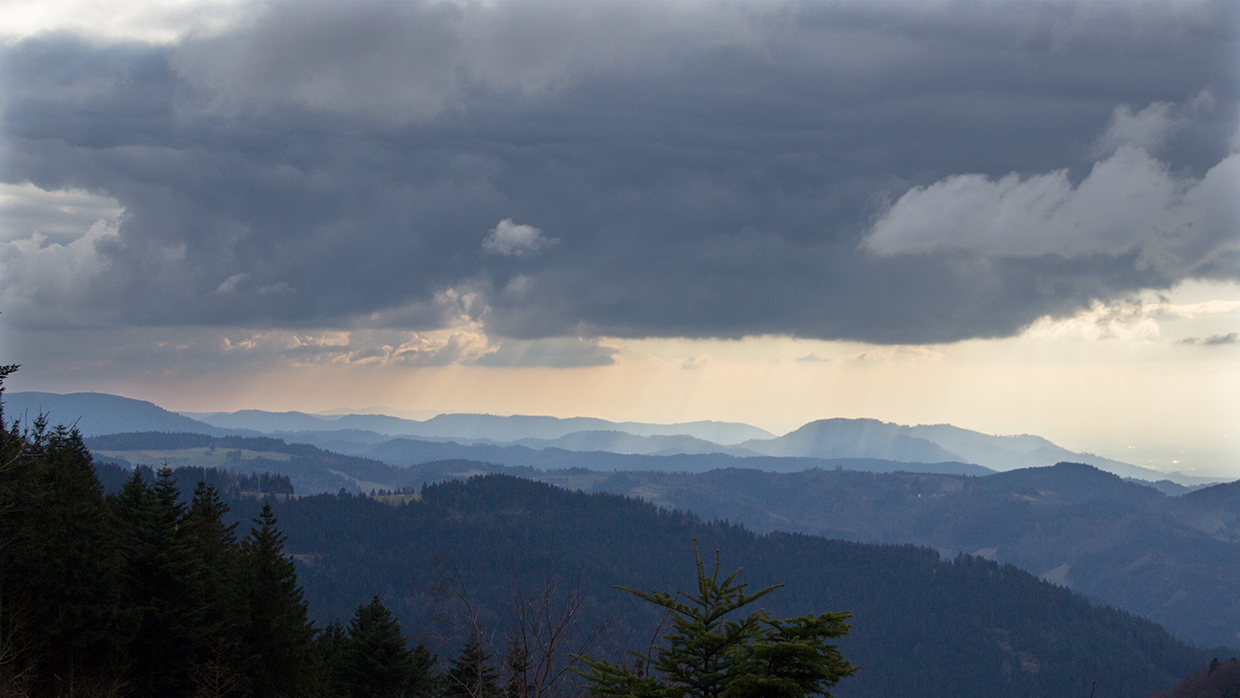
(375, 661)
(711, 652)
(330, 644)
(159, 569)
(278, 639)
(471, 674)
(216, 557)
(517, 664)
(58, 594)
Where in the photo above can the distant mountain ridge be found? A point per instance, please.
(477, 426)
(365, 435)
(871, 438)
(95, 414)
(405, 452)
(864, 438)
(622, 442)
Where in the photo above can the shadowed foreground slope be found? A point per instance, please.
(921, 626)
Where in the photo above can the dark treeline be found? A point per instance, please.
(164, 440)
(141, 593)
(228, 483)
(309, 468)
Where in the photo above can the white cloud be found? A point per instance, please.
(230, 284)
(153, 21)
(1130, 201)
(26, 210)
(1126, 198)
(361, 347)
(1146, 129)
(1195, 310)
(38, 274)
(511, 239)
(1121, 321)
(1132, 321)
(426, 349)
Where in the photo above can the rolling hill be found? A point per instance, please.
(95, 414)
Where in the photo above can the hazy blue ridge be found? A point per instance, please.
(405, 452)
(477, 426)
(544, 439)
(100, 413)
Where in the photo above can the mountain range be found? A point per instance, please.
(1175, 559)
(480, 427)
(539, 441)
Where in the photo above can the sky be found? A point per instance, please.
(1015, 217)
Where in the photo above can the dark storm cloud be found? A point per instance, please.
(689, 170)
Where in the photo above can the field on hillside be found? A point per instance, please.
(189, 457)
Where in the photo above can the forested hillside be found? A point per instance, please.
(309, 469)
(328, 461)
(921, 625)
(1173, 559)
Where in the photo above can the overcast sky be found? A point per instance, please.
(1013, 216)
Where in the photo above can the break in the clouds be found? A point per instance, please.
(886, 172)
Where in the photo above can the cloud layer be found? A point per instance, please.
(893, 173)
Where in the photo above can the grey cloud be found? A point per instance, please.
(408, 62)
(1213, 340)
(813, 357)
(709, 171)
(391, 61)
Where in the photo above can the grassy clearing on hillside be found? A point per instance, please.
(191, 457)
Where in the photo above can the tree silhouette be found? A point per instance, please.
(710, 654)
(279, 637)
(471, 674)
